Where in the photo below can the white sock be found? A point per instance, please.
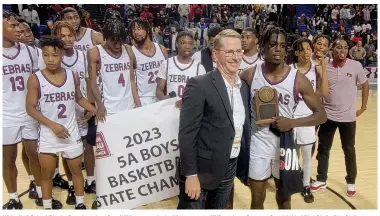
(306, 160)
(79, 199)
(47, 203)
(39, 191)
(31, 178)
(70, 183)
(90, 179)
(56, 171)
(14, 196)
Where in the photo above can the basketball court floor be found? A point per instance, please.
(333, 197)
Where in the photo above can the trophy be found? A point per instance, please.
(266, 100)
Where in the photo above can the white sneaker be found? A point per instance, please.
(317, 185)
(351, 190)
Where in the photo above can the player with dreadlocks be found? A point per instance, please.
(149, 58)
(316, 74)
(262, 159)
(117, 91)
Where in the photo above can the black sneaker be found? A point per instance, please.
(33, 190)
(58, 181)
(90, 189)
(71, 196)
(81, 206)
(307, 195)
(55, 204)
(13, 204)
(94, 205)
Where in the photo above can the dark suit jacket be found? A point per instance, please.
(206, 130)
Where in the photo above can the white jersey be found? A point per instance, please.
(85, 42)
(177, 74)
(16, 71)
(146, 71)
(78, 64)
(302, 110)
(57, 103)
(247, 62)
(114, 78)
(264, 143)
(41, 63)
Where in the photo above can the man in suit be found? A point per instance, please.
(214, 118)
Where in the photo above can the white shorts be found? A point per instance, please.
(305, 135)
(13, 135)
(261, 169)
(148, 100)
(69, 154)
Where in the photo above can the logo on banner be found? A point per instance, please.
(102, 150)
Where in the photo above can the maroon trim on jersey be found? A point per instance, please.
(295, 94)
(39, 85)
(155, 50)
(18, 52)
(67, 65)
(80, 38)
(31, 59)
(296, 67)
(175, 63)
(250, 62)
(58, 86)
(274, 83)
(113, 56)
(92, 39)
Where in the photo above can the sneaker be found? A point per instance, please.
(33, 190)
(55, 204)
(307, 195)
(94, 205)
(317, 185)
(13, 204)
(58, 181)
(90, 189)
(81, 206)
(71, 196)
(351, 190)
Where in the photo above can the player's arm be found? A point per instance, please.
(164, 51)
(32, 98)
(133, 66)
(80, 99)
(161, 82)
(363, 81)
(322, 81)
(93, 61)
(90, 96)
(247, 75)
(97, 37)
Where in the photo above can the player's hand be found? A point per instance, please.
(178, 104)
(101, 113)
(193, 187)
(284, 124)
(359, 112)
(60, 131)
(321, 63)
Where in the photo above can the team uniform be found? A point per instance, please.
(78, 64)
(265, 145)
(146, 72)
(57, 103)
(305, 135)
(114, 81)
(41, 63)
(248, 61)
(18, 65)
(177, 74)
(85, 42)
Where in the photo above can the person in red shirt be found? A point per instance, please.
(146, 14)
(357, 38)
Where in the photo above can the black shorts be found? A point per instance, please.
(91, 133)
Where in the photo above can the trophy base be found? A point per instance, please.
(265, 121)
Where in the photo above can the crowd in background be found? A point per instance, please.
(357, 24)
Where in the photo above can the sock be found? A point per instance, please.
(47, 203)
(56, 171)
(79, 199)
(90, 179)
(31, 178)
(39, 191)
(70, 183)
(14, 196)
(306, 160)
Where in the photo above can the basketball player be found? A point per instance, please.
(115, 64)
(175, 72)
(86, 38)
(18, 64)
(306, 136)
(149, 57)
(264, 150)
(27, 37)
(51, 98)
(249, 42)
(321, 46)
(76, 60)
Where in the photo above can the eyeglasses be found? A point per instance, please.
(230, 53)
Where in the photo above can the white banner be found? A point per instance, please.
(136, 154)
